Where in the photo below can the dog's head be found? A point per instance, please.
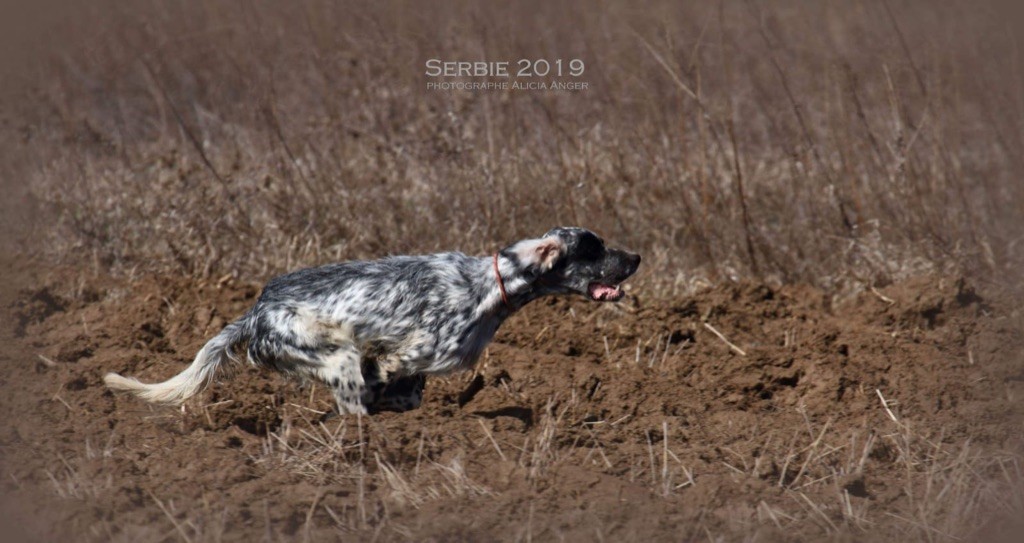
(570, 260)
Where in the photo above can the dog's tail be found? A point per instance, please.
(195, 378)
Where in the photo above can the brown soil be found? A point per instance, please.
(584, 421)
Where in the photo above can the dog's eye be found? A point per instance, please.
(589, 248)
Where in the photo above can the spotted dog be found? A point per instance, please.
(372, 331)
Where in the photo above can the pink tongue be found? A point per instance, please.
(603, 292)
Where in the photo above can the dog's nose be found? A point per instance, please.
(634, 260)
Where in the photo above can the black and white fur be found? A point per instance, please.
(373, 330)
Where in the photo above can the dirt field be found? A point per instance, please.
(894, 414)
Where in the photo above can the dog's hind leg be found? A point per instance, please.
(341, 371)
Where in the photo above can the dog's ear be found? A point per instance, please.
(540, 254)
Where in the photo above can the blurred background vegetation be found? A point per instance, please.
(845, 144)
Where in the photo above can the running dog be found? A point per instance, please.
(373, 330)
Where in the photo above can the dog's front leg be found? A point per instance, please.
(342, 373)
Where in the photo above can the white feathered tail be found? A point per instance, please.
(188, 383)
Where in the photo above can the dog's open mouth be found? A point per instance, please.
(605, 293)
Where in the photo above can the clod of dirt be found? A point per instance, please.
(35, 307)
(73, 352)
(857, 488)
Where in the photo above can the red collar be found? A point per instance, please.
(501, 284)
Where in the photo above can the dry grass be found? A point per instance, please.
(951, 490)
(841, 144)
(815, 482)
